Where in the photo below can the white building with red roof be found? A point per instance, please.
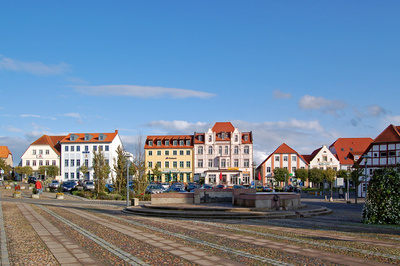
(224, 155)
(283, 157)
(44, 151)
(382, 152)
(349, 150)
(6, 155)
(77, 150)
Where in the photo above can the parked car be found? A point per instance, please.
(153, 189)
(54, 184)
(89, 185)
(259, 188)
(220, 186)
(206, 186)
(69, 186)
(267, 189)
(176, 189)
(32, 180)
(109, 188)
(238, 186)
(165, 185)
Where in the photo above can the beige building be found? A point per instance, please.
(174, 156)
(6, 155)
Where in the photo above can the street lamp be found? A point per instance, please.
(365, 176)
(128, 156)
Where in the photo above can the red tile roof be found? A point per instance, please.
(4, 152)
(347, 148)
(52, 141)
(223, 127)
(109, 137)
(170, 138)
(390, 134)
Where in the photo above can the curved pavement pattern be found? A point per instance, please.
(332, 239)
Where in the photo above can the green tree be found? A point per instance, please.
(120, 164)
(53, 171)
(84, 170)
(315, 176)
(157, 172)
(101, 170)
(330, 176)
(383, 199)
(281, 175)
(301, 174)
(355, 178)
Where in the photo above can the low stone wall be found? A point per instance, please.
(172, 198)
(215, 195)
(269, 201)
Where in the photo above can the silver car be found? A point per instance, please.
(89, 185)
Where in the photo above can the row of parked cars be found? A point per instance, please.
(70, 185)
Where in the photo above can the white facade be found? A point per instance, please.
(324, 159)
(77, 150)
(224, 155)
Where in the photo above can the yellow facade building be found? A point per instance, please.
(174, 156)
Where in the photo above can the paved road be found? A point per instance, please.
(74, 231)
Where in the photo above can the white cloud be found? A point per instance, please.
(375, 110)
(13, 129)
(395, 120)
(319, 103)
(36, 68)
(36, 116)
(77, 80)
(278, 94)
(74, 115)
(141, 91)
(179, 126)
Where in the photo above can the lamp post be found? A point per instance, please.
(365, 176)
(128, 156)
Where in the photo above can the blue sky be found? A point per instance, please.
(300, 72)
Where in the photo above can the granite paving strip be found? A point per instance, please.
(322, 255)
(60, 245)
(172, 247)
(5, 260)
(132, 260)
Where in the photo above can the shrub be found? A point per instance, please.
(382, 203)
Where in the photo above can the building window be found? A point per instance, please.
(181, 152)
(294, 158)
(66, 176)
(101, 148)
(210, 149)
(293, 169)
(175, 152)
(236, 138)
(187, 152)
(150, 165)
(200, 150)
(324, 158)
(47, 162)
(223, 135)
(200, 163)
(187, 142)
(78, 162)
(66, 163)
(34, 152)
(158, 153)
(220, 150)
(86, 162)
(166, 164)
(40, 152)
(175, 164)
(150, 143)
(236, 163)
(209, 138)
(34, 163)
(276, 158)
(200, 137)
(268, 170)
(40, 163)
(285, 159)
(181, 164)
(78, 148)
(107, 148)
(158, 142)
(226, 150)
(392, 153)
(236, 150)
(246, 137)
(187, 164)
(246, 163)
(72, 175)
(86, 148)
(72, 162)
(66, 148)
(54, 162)
(94, 148)
(72, 148)
(150, 153)
(181, 143)
(223, 163)
(159, 164)
(210, 163)
(166, 152)
(47, 152)
(175, 142)
(246, 150)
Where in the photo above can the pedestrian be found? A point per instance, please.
(341, 193)
(38, 186)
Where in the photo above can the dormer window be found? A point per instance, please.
(158, 142)
(223, 135)
(181, 143)
(200, 137)
(150, 143)
(73, 137)
(246, 137)
(102, 137)
(88, 137)
(187, 142)
(175, 142)
(167, 143)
